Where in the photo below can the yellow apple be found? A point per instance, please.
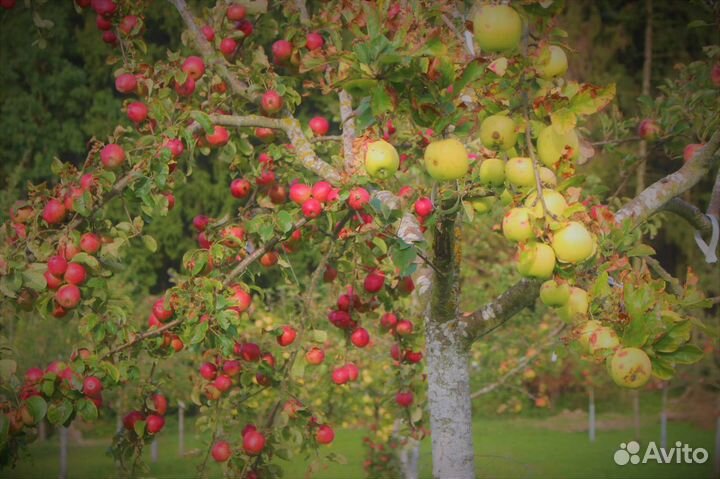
(547, 177)
(573, 243)
(551, 145)
(630, 367)
(497, 28)
(498, 132)
(554, 201)
(577, 305)
(551, 62)
(537, 260)
(554, 294)
(483, 205)
(492, 172)
(585, 331)
(517, 224)
(603, 338)
(520, 172)
(446, 160)
(381, 159)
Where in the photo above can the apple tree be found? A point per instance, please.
(446, 112)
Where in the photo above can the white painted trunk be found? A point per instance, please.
(154, 451)
(717, 448)
(591, 415)
(449, 402)
(63, 452)
(663, 418)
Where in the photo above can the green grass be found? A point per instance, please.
(506, 448)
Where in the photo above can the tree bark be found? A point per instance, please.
(591, 414)
(663, 417)
(447, 362)
(181, 429)
(63, 452)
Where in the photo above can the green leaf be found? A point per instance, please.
(150, 243)
(59, 412)
(638, 300)
(199, 332)
(298, 369)
(86, 409)
(686, 354)
(403, 258)
(563, 120)
(382, 246)
(637, 332)
(674, 338)
(37, 407)
(285, 221)
(592, 99)
(472, 72)
(641, 250)
(140, 428)
(381, 101)
(111, 370)
(34, 276)
(662, 369)
(204, 120)
(87, 260)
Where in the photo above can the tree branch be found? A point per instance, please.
(348, 129)
(714, 205)
(690, 213)
(495, 313)
(209, 54)
(654, 197)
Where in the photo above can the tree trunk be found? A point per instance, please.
(591, 414)
(448, 365)
(663, 417)
(42, 431)
(636, 413)
(154, 451)
(63, 452)
(181, 429)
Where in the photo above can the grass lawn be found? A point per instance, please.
(506, 448)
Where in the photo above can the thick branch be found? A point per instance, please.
(348, 130)
(209, 54)
(714, 205)
(495, 313)
(690, 213)
(656, 195)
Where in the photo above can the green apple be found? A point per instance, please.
(554, 201)
(554, 294)
(603, 338)
(573, 243)
(552, 145)
(520, 172)
(381, 159)
(446, 160)
(483, 205)
(630, 367)
(537, 260)
(517, 224)
(577, 305)
(497, 28)
(498, 132)
(492, 172)
(551, 62)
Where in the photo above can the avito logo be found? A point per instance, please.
(680, 454)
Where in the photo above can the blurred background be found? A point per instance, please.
(532, 396)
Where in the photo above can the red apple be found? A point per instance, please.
(253, 443)
(324, 435)
(245, 26)
(314, 41)
(281, 50)
(312, 208)
(109, 37)
(105, 8)
(321, 191)
(54, 212)
(103, 23)
(423, 207)
(200, 222)
(160, 403)
(228, 46)
(330, 274)
(277, 194)
(690, 151)
(112, 156)
(221, 451)
(353, 371)
(232, 367)
(248, 351)
(241, 299)
(208, 32)
(219, 137)
(75, 274)
(271, 102)
(388, 321)
(315, 356)
(319, 125)
(131, 418)
(287, 337)
(340, 375)
(154, 424)
(404, 398)
(360, 337)
(53, 282)
(68, 296)
(126, 83)
(194, 67)
(265, 135)
(374, 281)
(128, 23)
(185, 89)
(223, 382)
(175, 145)
(235, 12)
(358, 198)
(208, 371)
(267, 177)
(240, 188)
(57, 265)
(715, 74)
(92, 386)
(90, 243)
(34, 375)
(160, 312)
(404, 328)
(300, 193)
